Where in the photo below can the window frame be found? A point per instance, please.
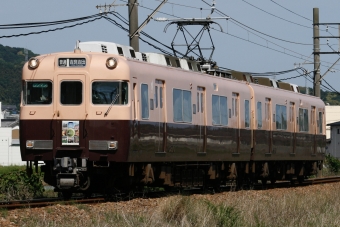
(219, 111)
(24, 92)
(186, 108)
(110, 81)
(278, 115)
(147, 109)
(82, 92)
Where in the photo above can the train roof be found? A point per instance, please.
(184, 63)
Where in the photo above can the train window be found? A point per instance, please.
(303, 120)
(156, 96)
(161, 97)
(259, 115)
(37, 93)
(320, 122)
(151, 104)
(71, 92)
(219, 110)
(201, 102)
(107, 92)
(198, 102)
(182, 105)
(145, 101)
(246, 114)
(281, 117)
(234, 104)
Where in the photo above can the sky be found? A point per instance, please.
(260, 36)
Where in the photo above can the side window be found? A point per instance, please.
(303, 120)
(145, 101)
(234, 104)
(182, 105)
(246, 114)
(259, 115)
(161, 97)
(281, 117)
(156, 96)
(219, 110)
(320, 122)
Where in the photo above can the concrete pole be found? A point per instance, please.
(133, 24)
(316, 43)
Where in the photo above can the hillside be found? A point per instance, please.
(12, 60)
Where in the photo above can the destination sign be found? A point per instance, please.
(72, 62)
(40, 85)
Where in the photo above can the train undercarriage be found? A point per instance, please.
(75, 175)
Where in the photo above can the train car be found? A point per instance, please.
(103, 121)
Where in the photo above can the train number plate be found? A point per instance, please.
(72, 62)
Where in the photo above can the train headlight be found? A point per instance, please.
(113, 145)
(111, 63)
(29, 144)
(33, 63)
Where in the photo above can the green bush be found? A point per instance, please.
(333, 164)
(17, 185)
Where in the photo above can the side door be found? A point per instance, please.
(236, 118)
(292, 125)
(268, 115)
(160, 106)
(70, 110)
(201, 120)
(313, 129)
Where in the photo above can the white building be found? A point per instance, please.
(9, 142)
(332, 115)
(334, 144)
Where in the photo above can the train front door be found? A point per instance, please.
(70, 109)
(160, 106)
(200, 120)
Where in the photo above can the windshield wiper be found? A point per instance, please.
(113, 101)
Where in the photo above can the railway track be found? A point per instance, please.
(79, 200)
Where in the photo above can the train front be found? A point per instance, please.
(75, 117)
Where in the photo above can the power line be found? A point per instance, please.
(291, 11)
(276, 16)
(51, 30)
(41, 24)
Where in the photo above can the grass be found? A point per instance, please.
(246, 208)
(9, 169)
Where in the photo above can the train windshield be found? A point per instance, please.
(106, 92)
(37, 93)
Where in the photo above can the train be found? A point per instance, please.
(105, 118)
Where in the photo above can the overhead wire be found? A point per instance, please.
(305, 57)
(41, 24)
(275, 15)
(50, 30)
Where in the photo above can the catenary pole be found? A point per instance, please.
(316, 45)
(133, 24)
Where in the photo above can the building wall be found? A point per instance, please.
(332, 115)
(9, 152)
(334, 146)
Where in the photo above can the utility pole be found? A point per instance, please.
(133, 24)
(316, 44)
